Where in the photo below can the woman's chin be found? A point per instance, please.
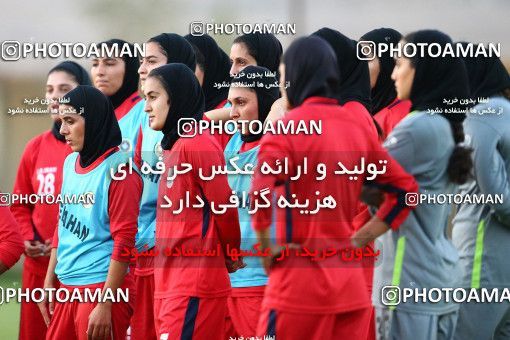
(155, 127)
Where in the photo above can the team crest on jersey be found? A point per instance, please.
(158, 150)
(170, 182)
(125, 145)
(390, 141)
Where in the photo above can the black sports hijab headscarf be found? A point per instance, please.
(216, 66)
(314, 73)
(266, 49)
(186, 98)
(354, 74)
(439, 78)
(131, 77)
(102, 130)
(82, 78)
(176, 48)
(383, 93)
(266, 88)
(487, 76)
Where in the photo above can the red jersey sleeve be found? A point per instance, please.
(54, 240)
(217, 191)
(11, 243)
(23, 185)
(221, 138)
(123, 209)
(273, 149)
(396, 183)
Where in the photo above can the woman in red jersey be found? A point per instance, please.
(327, 299)
(11, 243)
(190, 299)
(40, 172)
(387, 109)
(162, 49)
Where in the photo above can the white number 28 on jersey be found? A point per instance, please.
(46, 184)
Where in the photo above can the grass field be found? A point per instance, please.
(9, 312)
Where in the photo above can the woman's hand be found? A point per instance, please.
(100, 322)
(233, 266)
(34, 248)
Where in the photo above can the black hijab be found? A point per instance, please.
(216, 66)
(266, 88)
(74, 69)
(176, 48)
(186, 98)
(383, 93)
(131, 77)
(314, 73)
(266, 49)
(354, 74)
(437, 79)
(102, 130)
(82, 78)
(487, 75)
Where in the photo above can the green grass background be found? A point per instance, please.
(9, 312)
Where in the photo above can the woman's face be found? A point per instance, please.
(73, 127)
(403, 75)
(374, 66)
(199, 73)
(244, 105)
(240, 58)
(283, 89)
(157, 103)
(153, 58)
(57, 85)
(108, 74)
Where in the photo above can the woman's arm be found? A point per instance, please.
(100, 319)
(278, 110)
(11, 244)
(220, 115)
(46, 307)
(123, 209)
